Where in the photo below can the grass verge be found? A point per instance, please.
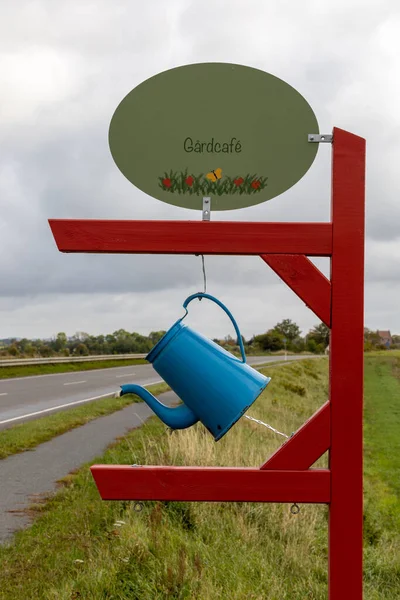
(82, 547)
(382, 451)
(49, 369)
(29, 435)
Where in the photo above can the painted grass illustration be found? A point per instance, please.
(211, 184)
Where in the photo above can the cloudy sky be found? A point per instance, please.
(64, 68)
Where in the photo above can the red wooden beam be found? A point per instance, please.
(192, 237)
(343, 239)
(303, 277)
(346, 363)
(208, 484)
(306, 446)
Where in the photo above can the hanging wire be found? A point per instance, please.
(204, 275)
(266, 425)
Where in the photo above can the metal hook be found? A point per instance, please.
(295, 509)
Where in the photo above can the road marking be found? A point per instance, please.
(127, 375)
(67, 373)
(45, 410)
(74, 382)
(4, 394)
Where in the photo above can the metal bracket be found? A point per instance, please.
(320, 137)
(206, 209)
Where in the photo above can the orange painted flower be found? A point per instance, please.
(255, 184)
(189, 181)
(238, 181)
(167, 182)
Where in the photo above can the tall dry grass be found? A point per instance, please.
(243, 550)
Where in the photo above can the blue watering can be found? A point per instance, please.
(216, 387)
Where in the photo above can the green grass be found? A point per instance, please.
(205, 551)
(382, 449)
(383, 353)
(48, 369)
(29, 435)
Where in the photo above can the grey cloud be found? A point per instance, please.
(86, 56)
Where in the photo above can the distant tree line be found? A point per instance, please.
(82, 344)
(285, 335)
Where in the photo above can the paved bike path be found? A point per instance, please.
(28, 476)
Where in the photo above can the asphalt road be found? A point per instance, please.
(26, 398)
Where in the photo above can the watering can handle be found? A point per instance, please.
(201, 295)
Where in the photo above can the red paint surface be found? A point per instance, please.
(306, 446)
(346, 367)
(192, 237)
(303, 277)
(208, 484)
(286, 476)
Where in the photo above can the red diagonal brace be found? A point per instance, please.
(305, 446)
(303, 277)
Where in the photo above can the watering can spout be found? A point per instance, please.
(178, 417)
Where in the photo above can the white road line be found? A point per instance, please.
(68, 373)
(127, 375)
(74, 382)
(40, 412)
(4, 394)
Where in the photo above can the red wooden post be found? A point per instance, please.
(339, 303)
(346, 367)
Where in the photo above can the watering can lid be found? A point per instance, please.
(161, 344)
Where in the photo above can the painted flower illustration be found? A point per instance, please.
(214, 183)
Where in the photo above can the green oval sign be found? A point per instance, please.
(233, 133)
